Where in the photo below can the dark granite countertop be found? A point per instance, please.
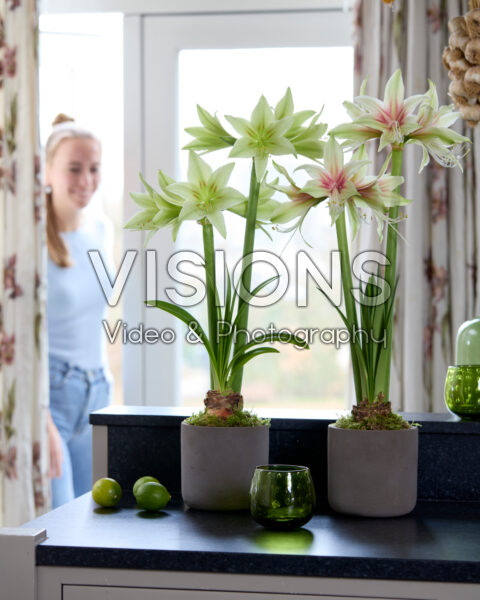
(439, 541)
(171, 416)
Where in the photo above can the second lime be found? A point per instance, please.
(152, 496)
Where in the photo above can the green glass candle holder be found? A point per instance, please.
(282, 497)
(462, 391)
(467, 351)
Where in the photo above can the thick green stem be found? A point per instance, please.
(391, 269)
(209, 255)
(350, 309)
(248, 244)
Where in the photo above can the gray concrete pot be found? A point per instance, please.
(372, 473)
(218, 464)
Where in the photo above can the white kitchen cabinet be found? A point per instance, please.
(75, 592)
(62, 583)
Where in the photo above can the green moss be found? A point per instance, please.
(241, 418)
(377, 422)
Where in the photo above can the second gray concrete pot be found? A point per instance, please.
(372, 473)
(218, 463)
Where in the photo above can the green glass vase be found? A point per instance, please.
(282, 497)
(462, 391)
(462, 385)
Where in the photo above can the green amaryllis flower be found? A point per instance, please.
(212, 136)
(434, 133)
(306, 139)
(206, 195)
(266, 207)
(157, 211)
(262, 136)
(391, 120)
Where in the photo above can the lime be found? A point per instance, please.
(106, 491)
(141, 481)
(152, 496)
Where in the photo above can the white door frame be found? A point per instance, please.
(145, 7)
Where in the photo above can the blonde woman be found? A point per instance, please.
(79, 379)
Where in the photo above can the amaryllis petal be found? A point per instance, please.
(191, 212)
(355, 166)
(355, 133)
(314, 170)
(142, 220)
(186, 191)
(228, 198)
(353, 110)
(284, 107)
(143, 200)
(370, 105)
(244, 147)
(394, 93)
(217, 220)
(288, 211)
(221, 176)
(241, 125)
(260, 167)
(280, 145)
(281, 126)
(354, 218)
(412, 102)
(262, 113)
(315, 189)
(198, 169)
(333, 156)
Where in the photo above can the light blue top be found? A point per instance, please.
(76, 304)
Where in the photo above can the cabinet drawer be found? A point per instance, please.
(92, 592)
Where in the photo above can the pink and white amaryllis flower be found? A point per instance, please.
(395, 123)
(434, 135)
(333, 180)
(299, 202)
(348, 187)
(377, 194)
(391, 120)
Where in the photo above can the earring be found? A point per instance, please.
(48, 189)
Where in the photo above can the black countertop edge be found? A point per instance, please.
(258, 564)
(158, 416)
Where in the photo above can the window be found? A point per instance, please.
(236, 79)
(224, 62)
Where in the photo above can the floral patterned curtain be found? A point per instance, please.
(438, 287)
(23, 368)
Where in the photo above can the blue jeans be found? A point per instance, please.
(74, 394)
